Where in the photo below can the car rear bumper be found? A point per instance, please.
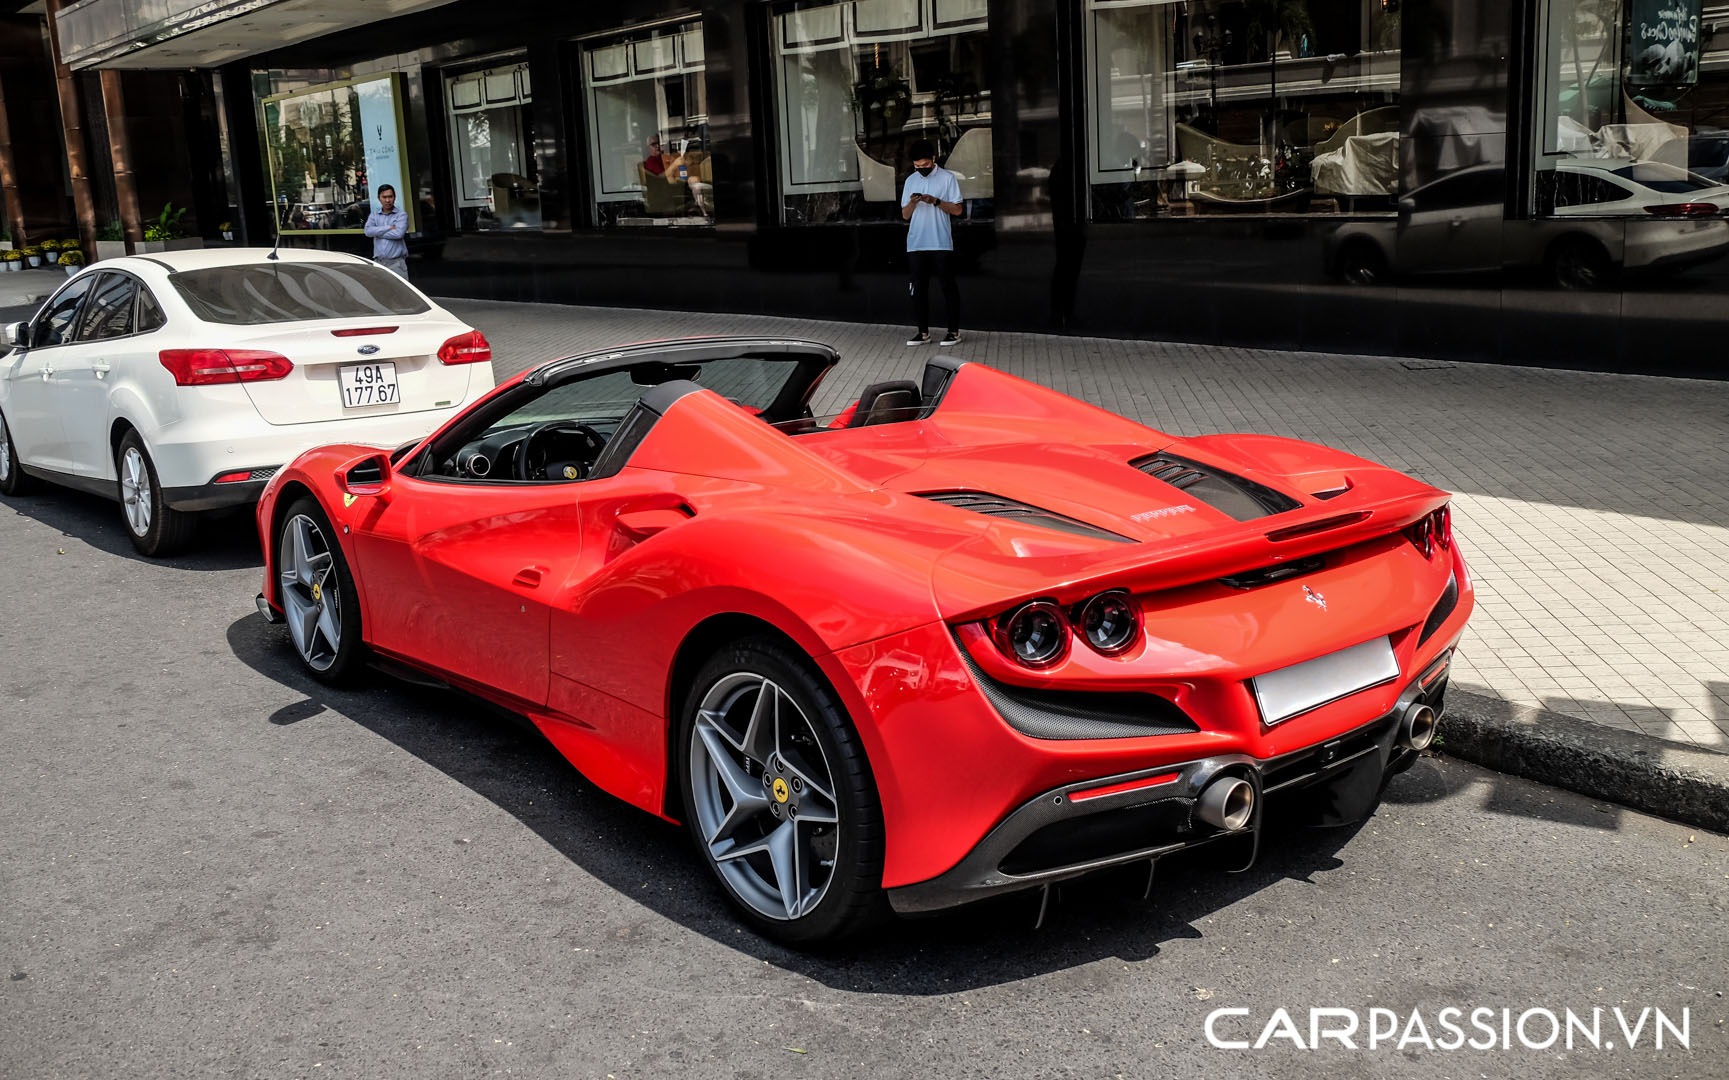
(1149, 813)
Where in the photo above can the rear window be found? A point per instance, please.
(295, 292)
(1665, 178)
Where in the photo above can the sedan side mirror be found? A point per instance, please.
(16, 335)
(367, 475)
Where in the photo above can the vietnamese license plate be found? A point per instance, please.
(1292, 691)
(368, 384)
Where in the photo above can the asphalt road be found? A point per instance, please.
(211, 866)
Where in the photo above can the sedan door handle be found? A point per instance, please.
(101, 369)
(528, 577)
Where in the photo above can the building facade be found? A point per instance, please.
(1527, 181)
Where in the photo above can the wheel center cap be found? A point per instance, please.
(318, 597)
(780, 790)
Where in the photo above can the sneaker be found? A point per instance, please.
(920, 338)
(950, 338)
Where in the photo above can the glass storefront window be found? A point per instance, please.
(647, 106)
(1242, 106)
(1630, 103)
(857, 83)
(491, 125)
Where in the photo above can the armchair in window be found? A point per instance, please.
(971, 162)
(515, 200)
(877, 179)
(661, 197)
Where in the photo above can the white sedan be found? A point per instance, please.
(180, 382)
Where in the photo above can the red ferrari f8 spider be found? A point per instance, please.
(969, 637)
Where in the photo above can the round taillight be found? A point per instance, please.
(1035, 635)
(1110, 622)
(1443, 526)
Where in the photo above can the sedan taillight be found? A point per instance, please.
(1433, 530)
(469, 348)
(1685, 209)
(207, 367)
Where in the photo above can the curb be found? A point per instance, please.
(1671, 780)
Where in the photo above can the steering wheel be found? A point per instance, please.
(527, 468)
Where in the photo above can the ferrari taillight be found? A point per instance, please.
(1034, 635)
(208, 367)
(1433, 530)
(469, 348)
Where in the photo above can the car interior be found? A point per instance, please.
(579, 418)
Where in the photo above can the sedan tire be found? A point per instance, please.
(13, 479)
(779, 797)
(156, 529)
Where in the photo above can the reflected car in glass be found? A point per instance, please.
(179, 382)
(969, 636)
(1599, 217)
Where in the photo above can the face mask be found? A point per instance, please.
(926, 170)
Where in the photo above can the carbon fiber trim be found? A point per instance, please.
(980, 502)
(1443, 608)
(1229, 493)
(1071, 714)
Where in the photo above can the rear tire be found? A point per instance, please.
(1363, 264)
(13, 479)
(156, 529)
(743, 789)
(1581, 265)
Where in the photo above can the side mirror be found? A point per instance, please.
(16, 335)
(366, 475)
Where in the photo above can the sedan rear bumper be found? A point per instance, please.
(1144, 815)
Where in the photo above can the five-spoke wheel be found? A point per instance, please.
(155, 527)
(778, 795)
(316, 593)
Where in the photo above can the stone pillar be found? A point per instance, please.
(125, 190)
(9, 178)
(72, 123)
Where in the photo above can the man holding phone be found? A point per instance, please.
(930, 198)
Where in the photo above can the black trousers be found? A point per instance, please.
(923, 264)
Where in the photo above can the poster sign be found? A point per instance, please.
(380, 142)
(1663, 42)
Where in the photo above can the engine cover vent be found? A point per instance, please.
(980, 502)
(1225, 492)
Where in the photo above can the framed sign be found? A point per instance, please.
(329, 148)
(1663, 42)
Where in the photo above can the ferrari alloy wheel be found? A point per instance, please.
(778, 795)
(156, 528)
(317, 593)
(13, 479)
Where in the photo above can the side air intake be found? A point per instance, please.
(980, 502)
(1080, 714)
(1225, 492)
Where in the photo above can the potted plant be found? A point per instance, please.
(12, 260)
(32, 257)
(226, 229)
(165, 233)
(110, 241)
(73, 260)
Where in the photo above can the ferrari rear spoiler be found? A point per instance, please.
(978, 578)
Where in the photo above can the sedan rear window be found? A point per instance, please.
(295, 292)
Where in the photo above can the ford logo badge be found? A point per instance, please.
(367, 350)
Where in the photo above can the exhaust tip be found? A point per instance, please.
(1417, 727)
(1227, 803)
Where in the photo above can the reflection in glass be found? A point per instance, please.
(648, 127)
(491, 119)
(1251, 106)
(856, 83)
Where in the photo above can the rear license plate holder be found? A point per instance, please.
(1301, 688)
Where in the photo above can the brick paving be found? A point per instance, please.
(1594, 508)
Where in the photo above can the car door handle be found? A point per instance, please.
(529, 577)
(47, 373)
(101, 369)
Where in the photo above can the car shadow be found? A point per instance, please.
(224, 540)
(503, 758)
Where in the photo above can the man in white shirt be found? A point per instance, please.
(930, 198)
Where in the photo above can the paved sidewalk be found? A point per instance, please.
(1594, 508)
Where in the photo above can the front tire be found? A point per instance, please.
(13, 479)
(317, 594)
(156, 529)
(779, 797)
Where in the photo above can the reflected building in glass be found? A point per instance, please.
(1533, 181)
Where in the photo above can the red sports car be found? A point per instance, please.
(970, 636)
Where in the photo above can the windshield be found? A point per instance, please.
(276, 292)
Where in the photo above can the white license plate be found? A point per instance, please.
(1292, 691)
(368, 384)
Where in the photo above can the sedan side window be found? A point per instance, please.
(108, 312)
(149, 315)
(54, 325)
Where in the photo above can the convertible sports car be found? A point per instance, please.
(968, 637)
